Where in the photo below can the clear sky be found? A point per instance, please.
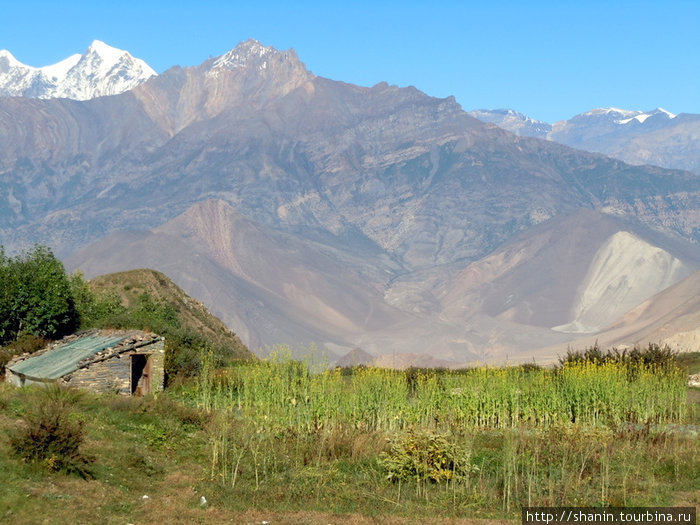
(548, 59)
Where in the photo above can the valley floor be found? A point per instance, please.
(151, 460)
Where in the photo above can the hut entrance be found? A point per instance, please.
(140, 374)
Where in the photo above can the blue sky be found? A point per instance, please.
(548, 59)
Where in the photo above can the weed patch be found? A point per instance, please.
(52, 437)
(426, 457)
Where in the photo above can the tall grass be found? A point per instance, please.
(284, 394)
(284, 436)
(483, 437)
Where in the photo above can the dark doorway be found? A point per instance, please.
(140, 374)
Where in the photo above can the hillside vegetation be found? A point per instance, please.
(149, 300)
(40, 302)
(130, 287)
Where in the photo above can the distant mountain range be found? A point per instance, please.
(654, 137)
(101, 70)
(305, 210)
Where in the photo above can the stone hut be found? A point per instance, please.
(128, 362)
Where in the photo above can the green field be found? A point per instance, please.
(286, 442)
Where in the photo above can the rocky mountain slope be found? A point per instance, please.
(102, 70)
(671, 317)
(309, 210)
(654, 137)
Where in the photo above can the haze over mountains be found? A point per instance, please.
(638, 137)
(305, 210)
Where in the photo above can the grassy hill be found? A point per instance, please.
(191, 314)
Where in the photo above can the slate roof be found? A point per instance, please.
(67, 357)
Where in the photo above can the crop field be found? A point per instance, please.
(285, 394)
(474, 441)
(284, 441)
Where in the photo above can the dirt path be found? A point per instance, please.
(257, 517)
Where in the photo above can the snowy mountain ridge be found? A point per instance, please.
(242, 54)
(513, 121)
(657, 137)
(625, 116)
(102, 70)
(521, 124)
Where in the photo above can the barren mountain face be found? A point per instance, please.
(305, 210)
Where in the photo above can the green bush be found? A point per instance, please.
(653, 354)
(426, 456)
(51, 438)
(93, 308)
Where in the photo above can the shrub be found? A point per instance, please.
(51, 438)
(425, 456)
(654, 354)
(92, 307)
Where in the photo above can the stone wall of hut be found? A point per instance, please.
(114, 373)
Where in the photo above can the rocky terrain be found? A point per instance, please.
(305, 210)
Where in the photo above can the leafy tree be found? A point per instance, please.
(93, 308)
(35, 296)
(8, 288)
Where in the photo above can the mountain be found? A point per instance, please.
(654, 137)
(306, 210)
(567, 268)
(513, 121)
(355, 357)
(102, 70)
(275, 287)
(671, 317)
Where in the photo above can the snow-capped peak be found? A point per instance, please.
(641, 116)
(662, 110)
(513, 121)
(625, 116)
(101, 70)
(7, 60)
(108, 53)
(60, 69)
(251, 55)
(615, 112)
(244, 53)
